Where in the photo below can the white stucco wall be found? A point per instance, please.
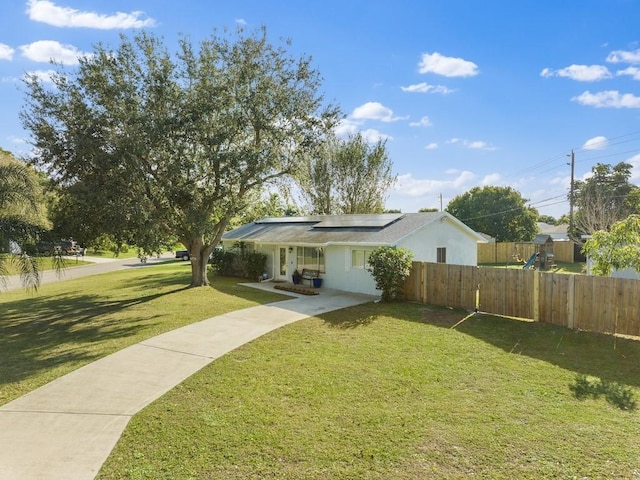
(341, 276)
(462, 249)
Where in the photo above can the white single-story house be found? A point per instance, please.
(339, 245)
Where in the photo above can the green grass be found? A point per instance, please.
(67, 324)
(373, 392)
(561, 267)
(44, 263)
(393, 392)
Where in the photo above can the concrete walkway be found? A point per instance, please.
(67, 428)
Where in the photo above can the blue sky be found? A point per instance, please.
(467, 93)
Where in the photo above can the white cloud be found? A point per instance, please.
(446, 66)
(479, 145)
(241, 21)
(635, 171)
(44, 76)
(17, 140)
(373, 136)
(491, 179)
(581, 73)
(409, 186)
(423, 122)
(374, 111)
(48, 12)
(624, 56)
(631, 71)
(45, 50)
(431, 146)
(609, 98)
(596, 143)
(345, 128)
(6, 52)
(474, 145)
(424, 87)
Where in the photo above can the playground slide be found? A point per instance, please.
(530, 262)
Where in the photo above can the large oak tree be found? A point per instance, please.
(160, 144)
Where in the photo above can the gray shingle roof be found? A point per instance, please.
(337, 229)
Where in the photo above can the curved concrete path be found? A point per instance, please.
(67, 428)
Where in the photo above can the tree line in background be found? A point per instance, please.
(142, 146)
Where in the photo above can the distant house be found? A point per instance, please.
(339, 245)
(557, 232)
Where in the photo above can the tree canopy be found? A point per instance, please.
(347, 176)
(618, 248)
(497, 211)
(604, 198)
(152, 145)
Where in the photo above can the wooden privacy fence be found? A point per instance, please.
(504, 252)
(597, 304)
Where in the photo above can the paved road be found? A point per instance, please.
(101, 265)
(67, 428)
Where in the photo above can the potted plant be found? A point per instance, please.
(297, 278)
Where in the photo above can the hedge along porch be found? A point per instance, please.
(339, 245)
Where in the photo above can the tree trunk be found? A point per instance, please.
(199, 261)
(199, 272)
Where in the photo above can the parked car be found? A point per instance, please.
(183, 254)
(69, 247)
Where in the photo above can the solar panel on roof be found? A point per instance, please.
(364, 221)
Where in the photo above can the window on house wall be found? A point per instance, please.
(441, 255)
(310, 257)
(360, 258)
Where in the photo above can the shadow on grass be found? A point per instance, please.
(613, 360)
(618, 395)
(365, 314)
(46, 331)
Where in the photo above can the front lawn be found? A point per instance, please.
(394, 392)
(44, 263)
(67, 324)
(400, 391)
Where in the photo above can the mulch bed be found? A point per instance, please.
(294, 289)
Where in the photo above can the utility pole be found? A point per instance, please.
(440, 202)
(571, 232)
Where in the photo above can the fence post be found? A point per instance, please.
(571, 301)
(536, 296)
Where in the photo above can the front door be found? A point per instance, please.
(281, 263)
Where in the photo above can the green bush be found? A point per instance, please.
(254, 264)
(390, 266)
(222, 262)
